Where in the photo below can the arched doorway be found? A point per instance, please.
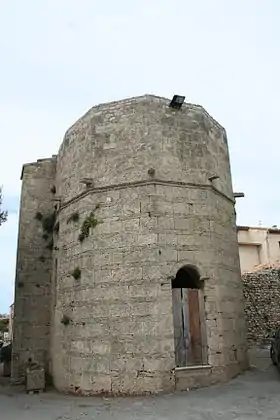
(188, 325)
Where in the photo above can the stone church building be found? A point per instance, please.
(128, 276)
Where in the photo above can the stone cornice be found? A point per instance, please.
(135, 184)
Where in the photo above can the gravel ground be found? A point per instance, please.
(254, 395)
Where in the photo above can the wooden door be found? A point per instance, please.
(181, 326)
(195, 355)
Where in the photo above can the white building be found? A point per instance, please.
(258, 245)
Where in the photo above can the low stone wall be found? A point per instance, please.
(262, 304)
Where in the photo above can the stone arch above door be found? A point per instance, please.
(203, 274)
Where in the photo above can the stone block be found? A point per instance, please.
(35, 379)
(193, 377)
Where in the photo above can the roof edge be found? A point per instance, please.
(268, 229)
(143, 97)
(38, 161)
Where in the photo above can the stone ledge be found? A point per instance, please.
(143, 183)
(191, 377)
(193, 368)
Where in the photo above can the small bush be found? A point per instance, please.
(65, 320)
(74, 217)
(53, 189)
(42, 258)
(20, 284)
(45, 236)
(76, 273)
(38, 215)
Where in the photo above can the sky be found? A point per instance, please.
(59, 58)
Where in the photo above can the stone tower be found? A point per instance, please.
(135, 286)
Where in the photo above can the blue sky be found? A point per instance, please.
(59, 58)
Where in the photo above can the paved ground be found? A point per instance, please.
(254, 395)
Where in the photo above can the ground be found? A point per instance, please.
(254, 395)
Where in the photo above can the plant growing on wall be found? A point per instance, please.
(49, 226)
(76, 273)
(48, 222)
(38, 215)
(89, 222)
(53, 189)
(65, 320)
(74, 217)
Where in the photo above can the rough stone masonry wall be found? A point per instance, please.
(33, 271)
(118, 142)
(120, 337)
(262, 297)
(226, 298)
(120, 333)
